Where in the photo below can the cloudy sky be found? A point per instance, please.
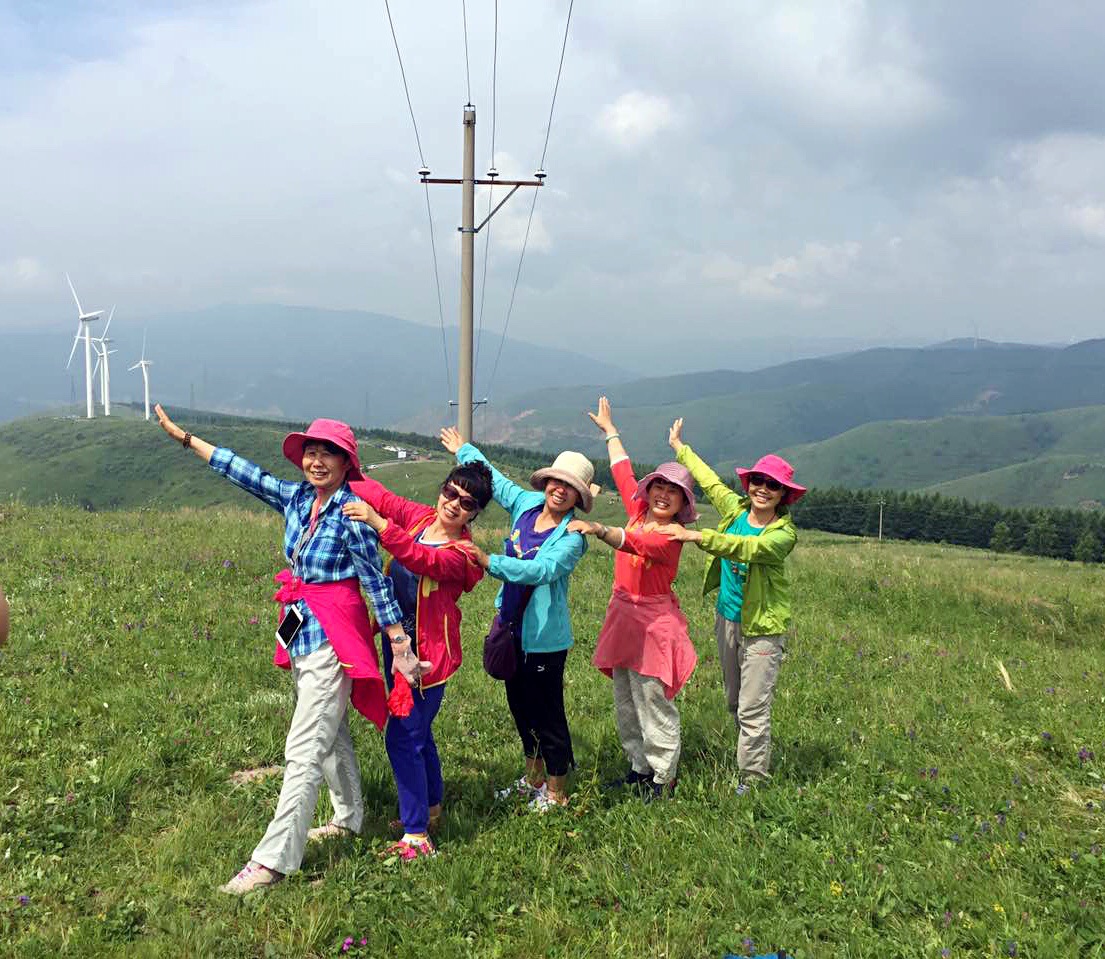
(885, 171)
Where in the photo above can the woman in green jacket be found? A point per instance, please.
(749, 550)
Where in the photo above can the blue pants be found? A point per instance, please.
(414, 762)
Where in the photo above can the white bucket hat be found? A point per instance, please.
(575, 470)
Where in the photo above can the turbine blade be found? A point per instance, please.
(97, 366)
(76, 340)
(136, 365)
(143, 344)
(74, 292)
(107, 326)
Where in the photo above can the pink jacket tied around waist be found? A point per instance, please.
(341, 611)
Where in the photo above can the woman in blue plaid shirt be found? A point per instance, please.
(332, 657)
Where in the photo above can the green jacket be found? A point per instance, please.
(766, 609)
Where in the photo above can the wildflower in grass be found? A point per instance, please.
(1001, 819)
(227, 564)
(1084, 755)
(1016, 780)
(1046, 737)
(1021, 837)
(24, 900)
(999, 909)
(945, 952)
(347, 944)
(911, 734)
(836, 888)
(955, 838)
(1095, 849)
(933, 772)
(984, 826)
(748, 943)
(253, 621)
(1011, 949)
(1050, 690)
(364, 940)
(947, 918)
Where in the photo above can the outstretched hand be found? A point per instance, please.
(675, 435)
(167, 424)
(451, 439)
(603, 419)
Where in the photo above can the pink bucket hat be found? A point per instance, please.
(681, 477)
(330, 431)
(778, 469)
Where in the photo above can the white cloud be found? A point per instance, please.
(799, 279)
(23, 273)
(634, 118)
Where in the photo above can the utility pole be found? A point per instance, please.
(882, 503)
(468, 231)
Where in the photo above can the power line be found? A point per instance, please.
(467, 68)
(490, 189)
(533, 205)
(429, 212)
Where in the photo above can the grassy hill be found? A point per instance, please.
(735, 416)
(1045, 459)
(917, 805)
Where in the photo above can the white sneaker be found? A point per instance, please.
(523, 787)
(252, 876)
(543, 802)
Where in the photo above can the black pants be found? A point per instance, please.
(536, 699)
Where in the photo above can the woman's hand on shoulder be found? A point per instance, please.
(676, 531)
(362, 512)
(478, 555)
(675, 435)
(583, 527)
(603, 418)
(167, 424)
(451, 439)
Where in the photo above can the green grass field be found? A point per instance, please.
(917, 804)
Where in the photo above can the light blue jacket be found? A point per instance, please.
(546, 625)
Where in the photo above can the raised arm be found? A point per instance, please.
(241, 472)
(441, 563)
(771, 547)
(504, 491)
(620, 467)
(361, 539)
(723, 498)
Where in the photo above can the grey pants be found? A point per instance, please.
(749, 669)
(318, 747)
(648, 724)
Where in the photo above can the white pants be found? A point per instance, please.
(648, 724)
(318, 747)
(749, 669)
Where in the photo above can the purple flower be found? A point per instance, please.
(1011, 949)
(1050, 690)
(1046, 737)
(253, 621)
(947, 917)
(226, 565)
(1095, 849)
(933, 772)
(1021, 837)
(984, 826)
(364, 940)
(945, 952)
(955, 838)
(24, 900)
(1001, 819)
(1084, 754)
(911, 734)
(747, 943)
(1016, 780)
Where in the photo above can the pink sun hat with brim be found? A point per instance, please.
(778, 469)
(680, 476)
(329, 431)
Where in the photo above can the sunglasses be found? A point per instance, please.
(466, 502)
(758, 479)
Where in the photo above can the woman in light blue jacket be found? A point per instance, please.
(539, 556)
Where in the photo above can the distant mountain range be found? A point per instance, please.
(735, 417)
(286, 362)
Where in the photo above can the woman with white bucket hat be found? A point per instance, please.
(540, 554)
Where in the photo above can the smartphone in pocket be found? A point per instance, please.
(289, 626)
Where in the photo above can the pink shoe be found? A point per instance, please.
(410, 849)
(252, 876)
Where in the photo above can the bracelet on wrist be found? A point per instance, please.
(612, 436)
(187, 441)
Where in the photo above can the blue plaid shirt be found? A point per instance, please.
(340, 548)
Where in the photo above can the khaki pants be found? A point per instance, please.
(318, 747)
(648, 724)
(749, 669)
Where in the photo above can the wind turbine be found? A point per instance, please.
(144, 365)
(84, 321)
(102, 354)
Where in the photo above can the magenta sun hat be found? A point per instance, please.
(778, 469)
(330, 431)
(681, 477)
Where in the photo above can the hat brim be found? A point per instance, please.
(293, 453)
(539, 478)
(688, 513)
(794, 491)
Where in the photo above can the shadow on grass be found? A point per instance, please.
(806, 761)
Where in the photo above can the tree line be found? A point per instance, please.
(1060, 533)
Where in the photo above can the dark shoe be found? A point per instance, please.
(632, 779)
(653, 791)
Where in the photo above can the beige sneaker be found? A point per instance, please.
(252, 876)
(331, 829)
